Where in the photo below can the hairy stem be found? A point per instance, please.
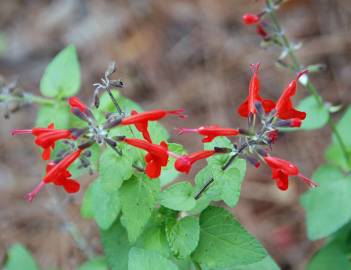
(28, 98)
(309, 86)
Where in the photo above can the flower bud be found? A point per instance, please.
(112, 122)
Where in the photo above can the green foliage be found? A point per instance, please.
(329, 202)
(334, 254)
(62, 76)
(114, 169)
(86, 209)
(178, 197)
(183, 235)
(19, 258)
(317, 115)
(169, 173)
(116, 246)
(334, 153)
(105, 204)
(141, 259)
(58, 114)
(138, 198)
(97, 263)
(154, 237)
(224, 242)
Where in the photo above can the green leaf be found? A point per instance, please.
(227, 183)
(316, 115)
(154, 238)
(97, 263)
(183, 236)
(334, 153)
(169, 173)
(141, 259)
(328, 202)
(86, 209)
(19, 258)
(106, 204)
(178, 197)
(114, 169)
(138, 197)
(331, 256)
(267, 263)
(224, 242)
(62, 76)
(116, 246)
(58, 114)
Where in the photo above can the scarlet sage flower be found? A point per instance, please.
(210, 132)
(183, 163)
(284, 106)
(250, 18)
(75, 102)
(156, 157)
(248, 106)
(46, 137)
(140, 120)
(58, 175)
(282, 169)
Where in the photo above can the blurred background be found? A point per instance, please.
(191, 54)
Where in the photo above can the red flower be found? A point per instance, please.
(282, 169)
(272, 136)
(261, 31)
(58, 175)
(140, 120)
(210, 132)
(249, 18)
(156, 157)
(248, 106)
(75, 102)
(184, 163)
(46, 137)
(284, 106)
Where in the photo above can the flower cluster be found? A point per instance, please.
(272, 115)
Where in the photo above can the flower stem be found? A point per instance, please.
(224, 167)
(309, 86)
(28, 98)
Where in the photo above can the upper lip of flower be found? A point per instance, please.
(210, 132)
(248, 106)
(284, 106)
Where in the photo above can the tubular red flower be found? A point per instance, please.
(261, 31)
(156, 157)
(58, 175)
(282, 169)
(248, 106)
(210, 132)
(75, 102)
(250, 18)
(46, 137)
(284, 106)
(183, 163)
(140, 120)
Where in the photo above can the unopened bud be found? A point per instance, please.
(86, 144)
(261, 152)
(119, 138)
(110, 142)
(77, 132)
(259, 108)
(111, 69)
(253, 161)
(116, 83)
(80, 115)
(112, 122)
(222, 150)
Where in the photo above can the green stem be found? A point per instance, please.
(309, 86)
(28, 98)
